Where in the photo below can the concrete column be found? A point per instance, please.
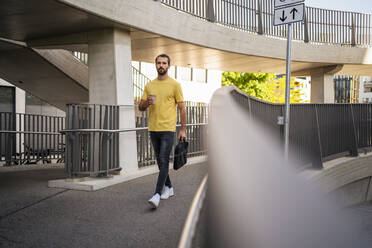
(20, 101)
(322, 84)
(322, 88)
(110, 82)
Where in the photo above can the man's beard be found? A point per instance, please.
(162, 72)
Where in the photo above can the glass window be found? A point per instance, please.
(7, 99)
(172, 72)
(149, 70)
(7, 107)
(183, 73)
(199, 75)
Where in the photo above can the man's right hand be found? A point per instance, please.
(143, 105)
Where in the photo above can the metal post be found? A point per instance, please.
(353, 27)
(210, 11)
(354, 142)
(318, 153)
(306, 29)
(287, 93)
(259, 13)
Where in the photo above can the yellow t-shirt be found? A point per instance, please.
(163, 114)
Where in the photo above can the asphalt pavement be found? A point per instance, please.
(33, 215)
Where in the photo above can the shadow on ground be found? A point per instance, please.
(33, 215)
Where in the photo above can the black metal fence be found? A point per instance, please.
(28, 138)
(197, 119)
(92, 136)
(320, 25)
(318, 132)
(90, 148)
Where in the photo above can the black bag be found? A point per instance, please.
(180, 154)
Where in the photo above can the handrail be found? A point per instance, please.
(318, 132)
(193, 215)
(122, 130)
(256, 16)
(29, 132)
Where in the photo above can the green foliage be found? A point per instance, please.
(251, 83)
(264, 86)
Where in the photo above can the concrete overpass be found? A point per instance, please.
(153, 28)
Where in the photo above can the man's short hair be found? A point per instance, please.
(163, 56)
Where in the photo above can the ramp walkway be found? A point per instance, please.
(33, 215)
(55, 76)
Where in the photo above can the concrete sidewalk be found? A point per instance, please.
(33, 215)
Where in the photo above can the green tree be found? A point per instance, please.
(277, 91)
(253, 84)
(265, 86)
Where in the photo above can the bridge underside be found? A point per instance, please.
(52, 24)
(146, 46)
(52, 75)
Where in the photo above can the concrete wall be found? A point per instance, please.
(37, 106)
(44, 109)
(353, 193)
(346, 180)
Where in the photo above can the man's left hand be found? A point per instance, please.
(182, 135)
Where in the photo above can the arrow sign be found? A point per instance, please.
(293, 11)
(283, 18)
(289, 14)
(284, 3)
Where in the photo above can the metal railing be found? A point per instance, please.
(91, 149)
(83, 57)
(192, 219)
(194, 134)
(318, 132)
(320, 25)
(139, 82)
(196, 128)
(28, 138)
(92, 135)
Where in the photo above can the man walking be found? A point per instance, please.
(162, 96)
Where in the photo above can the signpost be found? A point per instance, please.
(291, 14)
(288, 12)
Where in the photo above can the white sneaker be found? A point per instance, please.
(154, 201)
(167, 193)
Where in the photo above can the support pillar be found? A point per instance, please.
(322, 88)
(322, 84)
(110, 82)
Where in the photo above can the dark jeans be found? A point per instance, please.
(162, 143)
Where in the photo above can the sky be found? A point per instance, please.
(362, 6)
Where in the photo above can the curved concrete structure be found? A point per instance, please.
(215, 46)
(155, 28)
(145, 15)
(347, 180)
